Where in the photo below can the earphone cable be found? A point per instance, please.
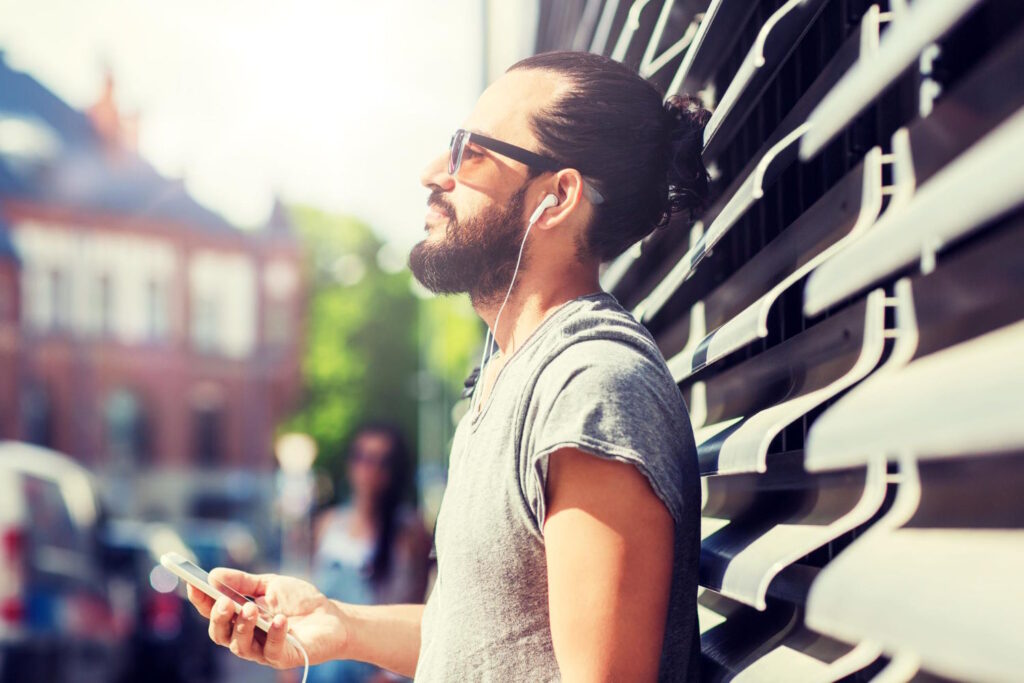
(497, 318)
(305, 659)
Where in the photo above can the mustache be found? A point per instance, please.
(437, 200)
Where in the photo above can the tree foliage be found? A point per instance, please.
(360, 359)
(374, 349)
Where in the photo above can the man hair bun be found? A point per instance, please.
(641, 151)
(687, 177)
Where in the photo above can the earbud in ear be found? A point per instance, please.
(548, 201)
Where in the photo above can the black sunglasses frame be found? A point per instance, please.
(463, 137)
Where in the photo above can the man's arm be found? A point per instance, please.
(608, 540)
(385, 635)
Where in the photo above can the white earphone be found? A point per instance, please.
(545, 204)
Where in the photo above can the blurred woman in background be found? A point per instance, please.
(373, 548)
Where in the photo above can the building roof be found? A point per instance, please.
(81, 170)
(279, 223)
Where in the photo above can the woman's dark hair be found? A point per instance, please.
(388, 503)
(641, 152)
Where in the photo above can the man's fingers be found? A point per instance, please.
(273, 647)
(222, 621)
(244, 583)
(238, 631)
(242, 635)
(202, 602)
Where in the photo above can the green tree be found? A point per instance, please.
(377, 347)
(361, 359)
(450, 335)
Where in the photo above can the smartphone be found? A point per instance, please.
(195, 575)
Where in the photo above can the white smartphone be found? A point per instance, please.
(195, 575)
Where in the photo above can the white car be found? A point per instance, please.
(56, 620)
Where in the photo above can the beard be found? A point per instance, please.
(477, 255)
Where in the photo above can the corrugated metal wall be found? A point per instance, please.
(845, 322)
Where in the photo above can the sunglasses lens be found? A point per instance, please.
(455, 152)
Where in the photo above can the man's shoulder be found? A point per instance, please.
(598, 327)
(599, 349)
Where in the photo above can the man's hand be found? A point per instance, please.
(298, 606)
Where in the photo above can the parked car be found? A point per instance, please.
(57, 623)
(169, 642)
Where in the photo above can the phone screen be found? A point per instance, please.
(203, 576)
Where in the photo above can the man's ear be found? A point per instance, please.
(567, 186)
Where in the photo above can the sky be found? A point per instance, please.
(338, 104)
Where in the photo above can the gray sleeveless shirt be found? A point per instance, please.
(589, 377)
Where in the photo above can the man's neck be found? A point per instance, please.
(529, 305)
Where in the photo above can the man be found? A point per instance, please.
(567, 539)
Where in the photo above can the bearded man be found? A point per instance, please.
(567, 541)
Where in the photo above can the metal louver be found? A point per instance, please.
(845, 322)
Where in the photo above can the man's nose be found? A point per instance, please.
(435, 174)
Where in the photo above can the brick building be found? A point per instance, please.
(139, 331)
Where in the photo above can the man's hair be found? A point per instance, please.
(642, 153)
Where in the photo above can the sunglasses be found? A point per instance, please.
(365, 458)
(462, 137)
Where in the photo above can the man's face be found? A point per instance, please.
(476, 254)
(475, 222)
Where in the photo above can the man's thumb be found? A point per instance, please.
(246, 584)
